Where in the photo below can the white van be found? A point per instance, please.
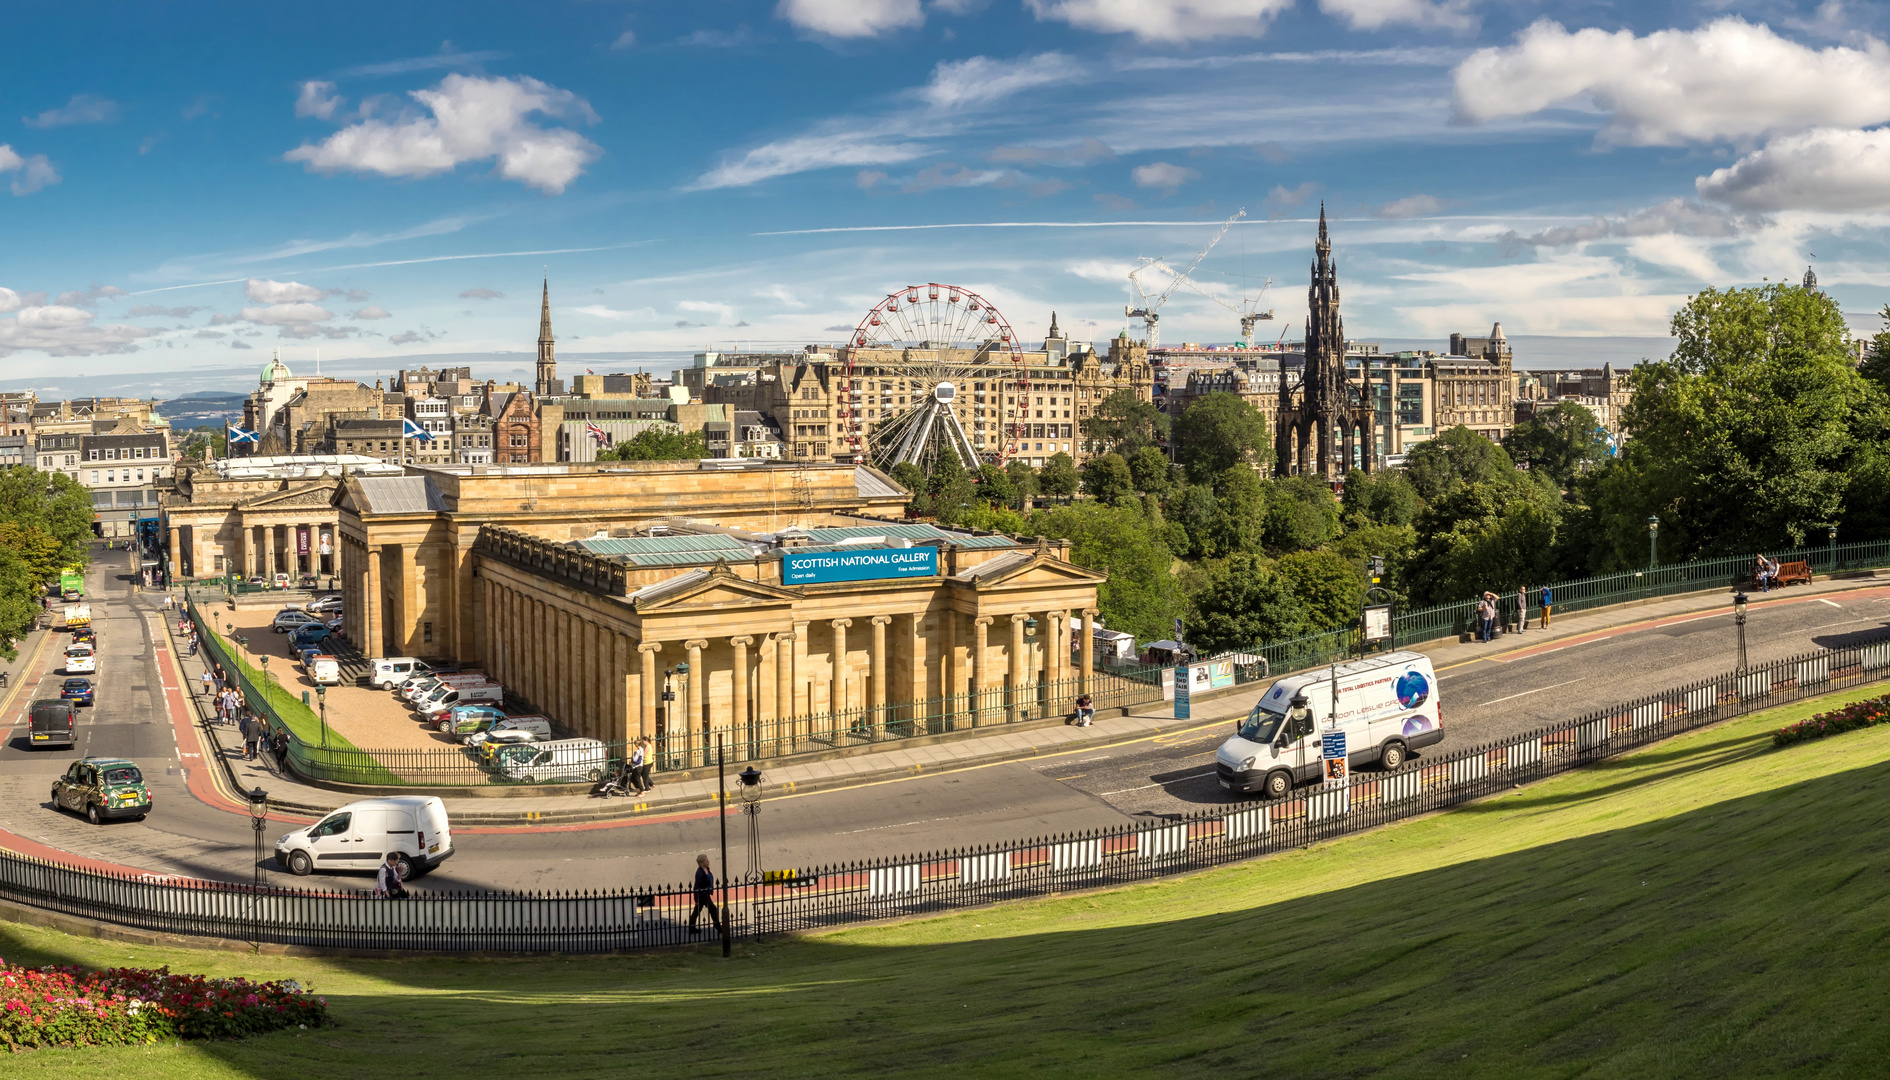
(325, 670)
(446, 697)
(394, 670)
(510, 729)
(562, 760)
(419, 690)
(359, 835)
(1387, 707)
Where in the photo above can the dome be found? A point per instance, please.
(274, 369)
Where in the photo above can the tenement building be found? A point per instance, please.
(761, 596)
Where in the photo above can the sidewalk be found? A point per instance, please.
(577, 810)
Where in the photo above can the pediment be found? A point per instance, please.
(1038, 570)
(710, 589)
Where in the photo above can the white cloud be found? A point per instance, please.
(1411, 206)
(1826, 169)
(318, 99)
(82, 109)
(371, 312)
(446, 57)
(1160, 174)
(723, 313)
(265, 291)
(806, 152)
(851, 18)
(781, 295)
(285, 314)
(473, 119)
(481, 294)
(9, 300)
(1164, 20)
(53, 317)
(35, 171)
(624, 40)
(1727, 80)
(1375, 14)
(1675, 217)
(981, 80)
(60, 330)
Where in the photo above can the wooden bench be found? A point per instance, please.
(1790, 573)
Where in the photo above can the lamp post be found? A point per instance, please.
(668, 718)
(682, 695)
(751, 809)
(1830, 539)
(1739, 620)
(258, 813)
(321, 697)
(265, 667)
(1653, 538)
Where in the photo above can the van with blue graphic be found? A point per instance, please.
(1386, 706)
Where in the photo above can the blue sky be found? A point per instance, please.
(190, 187)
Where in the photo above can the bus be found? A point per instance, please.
(72, 583)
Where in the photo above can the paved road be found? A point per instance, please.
(1165, 775)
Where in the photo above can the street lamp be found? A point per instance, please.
(1739, 619)
(688, 721)
(1030, 627)
(1830, 539)
(321, 697)
(258, 813)
(1653, 537)
(751, 809)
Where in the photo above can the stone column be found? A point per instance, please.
(1086, 653)
(741, 733)
(913, 688)
(877, 692)
(177, 552)
(837, 697)
(784, 684)
(1014, 671)
(1055, 652)
(951, 674)
(374, 643)
(981, 634)
(646, 692)
(698, 680)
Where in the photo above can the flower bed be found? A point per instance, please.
(69, 1006)
(1858, 714)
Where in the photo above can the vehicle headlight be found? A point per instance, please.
(1247, 763)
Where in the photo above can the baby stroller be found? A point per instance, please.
(617, 783)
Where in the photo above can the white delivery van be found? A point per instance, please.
(509, 729)
(420, 689)
(325, 670)
(1387, 707)
(359, 835)
(446, 697)
(394, 670)
(561, 760)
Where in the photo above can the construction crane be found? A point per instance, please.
(1148, 306)
(1248, 309)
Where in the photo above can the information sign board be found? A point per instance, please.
(820, 567)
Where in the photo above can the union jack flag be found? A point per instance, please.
(602, 438)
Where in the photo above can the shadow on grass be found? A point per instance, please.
(1743, 938)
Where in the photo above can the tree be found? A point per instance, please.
(1241, 500)
(1750, 436)
(1485, 536)
(1107, 479)
(1140, 596)
(1124, 423)
(909, 476)
(948, 488)
(658, 444)
(45, 525)
(1876, 365)
(1328, 586)
(995, 486)
(1242, 603)
(1380, 498)
(1559, 442)
(1151, 472)
(1301, 513)
(1023, 479)
(1454, 458)
(1058, 477)
(1218, 432)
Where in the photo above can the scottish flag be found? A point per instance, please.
(235, 435)
(415, 431)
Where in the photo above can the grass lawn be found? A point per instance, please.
(1706, 907)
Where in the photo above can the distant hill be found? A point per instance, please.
(203, 408)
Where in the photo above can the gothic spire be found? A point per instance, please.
(1053, 326)
(544, 315)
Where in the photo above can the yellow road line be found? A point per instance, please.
(19, 686)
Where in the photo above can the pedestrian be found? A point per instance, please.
(1547, 597)
(1522, 608)
(387, 884)
(634, 781)
(705, 897)
(207, 680)
(1486, 615)
(1085, 711)
(643, 770)
(170, 602)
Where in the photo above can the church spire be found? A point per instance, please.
(547, 349)
(544, 315)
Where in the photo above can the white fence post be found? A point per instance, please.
(1755, 684)
(1163, 843)
(1526, 753)
(1647, 715)
(1077, 855)
(1814, 671)
(984, 869)
(1702, 699)
(1399, 786)
(1875, 656)
(1246, 823)
(890, 881)
(1326, 805)
(1592, 734)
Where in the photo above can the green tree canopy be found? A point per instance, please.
(1141, 596)
(1301, 513)
(1456, 457)
(1483, 536)
(1123, 423)
(658, 444)
(1058, 477)
(45, 526)
(908, 476)
(1328, 585)
(1560, 442)
(1023, 477)
(1240, 603)
(948, 488)
(1218, 432)
(995, 486)
(1381, 498)
(1151, 472)
(1239, 522)
(1106, 478)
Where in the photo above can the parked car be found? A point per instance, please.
(564, 760)
(324, 670)
(81, 660)
(467, 719)
(282, 581)
(493, 745)
(419, 690)
(292, 619)
(392, 671)
(442, 700)
(308, 634)
(324, 605)
(507, 730)
(360, 835)
(55, 722)
(103, 788)
(77, 691)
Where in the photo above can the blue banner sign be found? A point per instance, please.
(819, 567)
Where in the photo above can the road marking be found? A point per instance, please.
(1164, 783)
(1822, 600)
(1526, 693)
(1076, 776)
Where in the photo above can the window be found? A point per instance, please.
(141, 476)
(94, 474)
(108, 477)
(90, 455)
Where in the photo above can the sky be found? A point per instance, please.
(189, 188)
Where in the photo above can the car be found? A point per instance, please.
(81, 660)
(85, 634)
(334, 624)
(412, 828)
(55, 722)
(324, 605)
(282, 580)
(102, 789)
(77, 691)
(292, 619)
(71, 595)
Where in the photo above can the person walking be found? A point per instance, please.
(1486, 615)
(387, 884)
(208, 679)
(705, 897)
(1522, 608)
(1547, 600)
(643, 771)
(638, 757)
(252, 734)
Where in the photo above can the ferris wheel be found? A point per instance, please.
(933, 366)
